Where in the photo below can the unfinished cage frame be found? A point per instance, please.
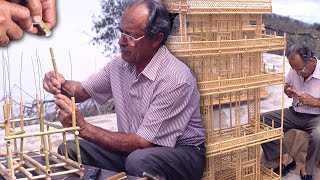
(21, 164)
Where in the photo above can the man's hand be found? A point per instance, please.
(307, 99)
(63, 106)
(14, 19)
(41, 10)
(290, 91)
(52, 84)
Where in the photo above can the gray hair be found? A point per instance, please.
(159, 20)
(302, 50)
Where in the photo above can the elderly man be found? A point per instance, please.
(156, 100)
(302, 84)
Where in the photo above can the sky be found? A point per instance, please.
(73, 34)
(304, 10)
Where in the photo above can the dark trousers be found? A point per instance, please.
(182, 162)
(294, 120)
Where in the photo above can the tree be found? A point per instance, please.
(105, 23)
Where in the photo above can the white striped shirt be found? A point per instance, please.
(160, 105)
(310, 86)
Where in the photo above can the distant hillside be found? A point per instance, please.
(297, 31)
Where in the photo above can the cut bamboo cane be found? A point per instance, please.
(23, 170)
(54, 63)
(37, 165)
(69, 161)
(117, 176)
(21, 116)
(43, 133)
(66, 165)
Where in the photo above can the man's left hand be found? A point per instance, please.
(307, 99)
(63, 106)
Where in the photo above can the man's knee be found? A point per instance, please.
(315, 135)
(136, 161)
(71, 148)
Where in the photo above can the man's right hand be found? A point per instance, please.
(290, 91)
(14, 19)
(53, 84)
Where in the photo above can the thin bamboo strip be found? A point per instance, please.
(43, 133)
(69, 161)
(37, 165)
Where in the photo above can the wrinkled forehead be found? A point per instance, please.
(135, 17)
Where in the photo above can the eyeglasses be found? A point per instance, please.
(131, 40)
(301, 70)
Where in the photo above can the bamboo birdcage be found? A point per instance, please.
(36, 164)
(222, 41)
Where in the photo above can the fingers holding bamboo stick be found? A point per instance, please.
(53, 83)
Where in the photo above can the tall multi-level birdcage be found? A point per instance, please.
(223, 42)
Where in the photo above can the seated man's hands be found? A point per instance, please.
(307, 99)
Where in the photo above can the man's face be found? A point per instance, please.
(133, 23)
(304, 70)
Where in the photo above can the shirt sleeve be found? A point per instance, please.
(289, 79)
(169, 114)
(98, 85)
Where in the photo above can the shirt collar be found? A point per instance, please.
(316, 73)
(150, 71)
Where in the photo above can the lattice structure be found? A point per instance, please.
(223, 41)
(36, 164)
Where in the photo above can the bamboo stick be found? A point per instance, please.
(25, 171)
(66, 165)
(54, 63)
(43, 133)
(117, 176)
(49, 139)
(66, 172)
(21, 149)
(12, 123)
(9, 159)
(69, 161)
(21, 117)
(17, 133)
(37, 165)
(6, 121)
(50, 124)
(66, 155)
(76, 133)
